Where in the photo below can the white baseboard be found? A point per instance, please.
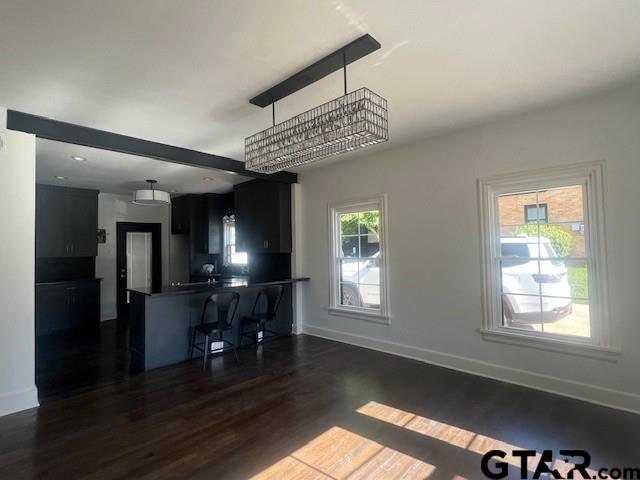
(617, 399)
(16, 401)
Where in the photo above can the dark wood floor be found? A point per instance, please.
(68, 361)
(236, 420)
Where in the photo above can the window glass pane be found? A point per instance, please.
(514, 252)
(369, 295)
(578, 279)
(239, 258)
(522, 312)
(350, 246)
(349, 271)
(369, 222)
(511, 208)
(520, 277)
(567, 317)
(349, 223)
(369, 271)
(350, 295)
(567, 239)
(370, 245)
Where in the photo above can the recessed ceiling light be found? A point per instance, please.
(78, 158)
(208, 179)
(60, 177)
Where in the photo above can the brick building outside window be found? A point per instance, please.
(559, 207)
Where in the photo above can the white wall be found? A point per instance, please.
(118, 208)
(434, 242)
(17, 197)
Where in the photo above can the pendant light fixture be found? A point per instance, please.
(355, 120)
(151, 196)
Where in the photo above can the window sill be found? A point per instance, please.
(609, 354)
(360, 315)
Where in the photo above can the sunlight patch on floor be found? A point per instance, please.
(458, 437)
(455, 436)
(341, 454)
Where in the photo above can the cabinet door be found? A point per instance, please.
(84, 305)
(50, 213)
(199, 224)
(245, 225)
(51, 309)
(215, 212)
(274, 217)
(81, 224)
(263, 217)
(180, 215)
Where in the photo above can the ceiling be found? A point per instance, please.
(182, 72)
(113, 172)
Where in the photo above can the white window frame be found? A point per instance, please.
(590, 176)
(375, 202)
(229, 222)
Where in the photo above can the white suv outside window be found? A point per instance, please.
(531, 286)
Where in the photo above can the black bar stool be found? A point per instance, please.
(226, 304)
(271, 296)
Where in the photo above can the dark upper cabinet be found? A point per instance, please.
(218, 205)
(81, 223)
(180, 214)
(200, 216)
(263, 217)
(189, 216)
(50, 222)
(66, 222)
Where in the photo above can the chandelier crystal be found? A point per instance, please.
(355, 120)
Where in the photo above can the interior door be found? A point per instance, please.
(138, 260)
(139, 266)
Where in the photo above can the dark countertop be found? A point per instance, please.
(63, 282)
(226, 283)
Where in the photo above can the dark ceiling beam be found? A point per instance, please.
(333, 62)
(89, 137)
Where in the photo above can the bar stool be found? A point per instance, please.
(271, 296)
(226, 304)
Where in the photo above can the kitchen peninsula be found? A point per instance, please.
(161, 319)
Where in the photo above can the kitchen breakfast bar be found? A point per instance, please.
(161, 320)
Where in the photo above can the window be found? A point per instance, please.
(535, 213)
(359, 259)
(231, 257)
(544, 281)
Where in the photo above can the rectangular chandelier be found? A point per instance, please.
(355, 120)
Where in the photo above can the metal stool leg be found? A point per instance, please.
(193, 343)
(206, 348)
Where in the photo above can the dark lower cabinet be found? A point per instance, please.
(69, 305)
